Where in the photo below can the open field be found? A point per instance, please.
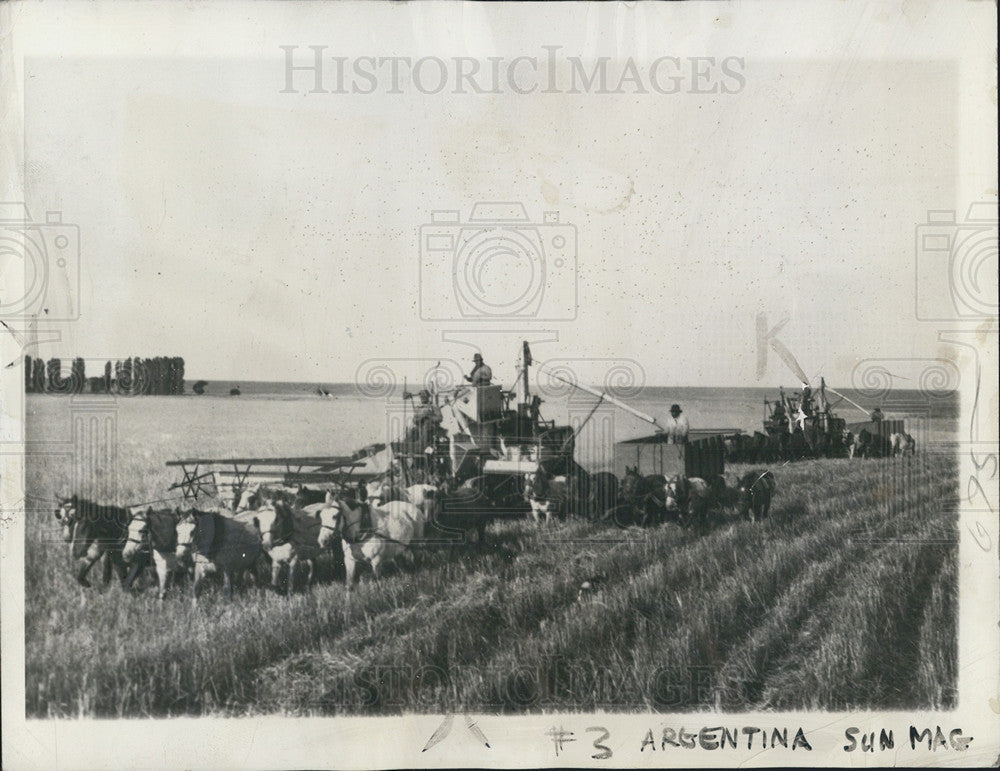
(845, 599)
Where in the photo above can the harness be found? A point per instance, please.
(365, 533)
(752, 490)
(147, 541)
(637, 498)
(288, 532)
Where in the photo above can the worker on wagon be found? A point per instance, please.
(677, 426)
(427, 419)
(805, 405)
(877, 416)
(481, 374)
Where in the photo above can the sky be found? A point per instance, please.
(278, 236)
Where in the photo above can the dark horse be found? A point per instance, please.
(101, 531)
(641, 498)
(603, 494)
(756, 489)
(458, 510)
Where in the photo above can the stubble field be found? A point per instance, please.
(846, 598)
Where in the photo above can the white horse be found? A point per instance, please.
(690, 496)
(289, 537)
(544, 494)
(903, 444)
(389, 532)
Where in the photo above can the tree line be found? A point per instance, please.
(135, 376)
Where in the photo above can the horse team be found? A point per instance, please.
(646, 500)
(265, 528)
(279, 531)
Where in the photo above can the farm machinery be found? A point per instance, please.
(478, 438)
(803, 426)
(798, 426)
(478, 444)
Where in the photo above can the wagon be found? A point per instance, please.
(703, 456)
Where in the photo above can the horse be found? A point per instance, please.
(756, 489)
(603, 494)
(66, 514)
(578, 484)
(690, 497)
(98, 530)
(869, 445)
(903, 444)
(289, 536)
(253, 497)
(546, 494)
(769, 447)
(644, 494)
(154, 534)
(847, 441)
(216, 544)
(385, 535)
(459, 510)
(380, 492)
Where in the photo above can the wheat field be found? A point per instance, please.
(846, 598)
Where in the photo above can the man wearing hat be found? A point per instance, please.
(677, 426)
(481, 373)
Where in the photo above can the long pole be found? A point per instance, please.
(605, 397)
(847, 400)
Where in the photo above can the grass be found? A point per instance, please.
(846, 598)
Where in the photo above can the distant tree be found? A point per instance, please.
(178, 379)
(53, 369)
(141, 369)
(199, 387)
(145, 375)
(160, 375)
(78, 375)
(126, 383)
(37, 376)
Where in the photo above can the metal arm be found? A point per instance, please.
(595, 392)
